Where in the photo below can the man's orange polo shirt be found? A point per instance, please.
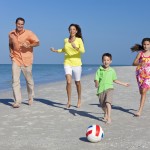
(19, 54)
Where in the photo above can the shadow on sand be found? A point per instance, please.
(7, 101)
(74, 112)
(119, 108)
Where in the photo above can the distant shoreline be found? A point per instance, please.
(6, 85)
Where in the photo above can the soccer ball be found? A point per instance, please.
(94, 133)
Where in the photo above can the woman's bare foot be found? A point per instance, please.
(68, 105)
(79, 104)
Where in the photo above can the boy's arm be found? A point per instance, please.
(96, 79)
(121, 83)
(96, 83)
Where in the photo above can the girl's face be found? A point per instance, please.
(73, 31)
(146, 45)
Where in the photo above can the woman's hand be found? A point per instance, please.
(53, 50)
(74, 46)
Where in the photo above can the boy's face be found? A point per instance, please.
(106, 61)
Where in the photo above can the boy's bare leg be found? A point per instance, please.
(108, 108)
(68, 89)
(105, 113)
(142, 101)
(78, 86)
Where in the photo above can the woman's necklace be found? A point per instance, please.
(71, 39)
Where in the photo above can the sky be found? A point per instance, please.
(107, 26)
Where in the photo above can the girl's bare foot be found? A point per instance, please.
(138, 114)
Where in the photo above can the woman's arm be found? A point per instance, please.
(53, 50)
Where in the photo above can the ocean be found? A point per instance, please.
(42, 73)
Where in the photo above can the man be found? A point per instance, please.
(21, 43)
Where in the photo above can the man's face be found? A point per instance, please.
(20, 25)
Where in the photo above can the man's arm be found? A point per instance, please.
(35, 44)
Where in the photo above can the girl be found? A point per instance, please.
(142, 61)
(73, 47)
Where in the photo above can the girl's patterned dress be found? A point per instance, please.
(143, 72)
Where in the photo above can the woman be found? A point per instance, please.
(73, 47)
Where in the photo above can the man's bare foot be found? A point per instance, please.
(79, 104)
(16, 105)
(30, 102)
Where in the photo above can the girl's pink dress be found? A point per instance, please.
(143, 72)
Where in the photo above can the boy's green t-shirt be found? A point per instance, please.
(105, 78)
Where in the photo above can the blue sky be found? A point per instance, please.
(107, 26)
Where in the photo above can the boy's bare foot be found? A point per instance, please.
(105, 119)
(108, 121)
(79, 104)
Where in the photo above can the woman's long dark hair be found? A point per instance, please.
(138, 47)
(79, 33)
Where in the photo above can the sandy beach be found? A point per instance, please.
(48, 125)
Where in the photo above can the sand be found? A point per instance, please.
(48, 125)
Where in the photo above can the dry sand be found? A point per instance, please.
(48, 125)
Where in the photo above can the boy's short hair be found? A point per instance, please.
(108, 55)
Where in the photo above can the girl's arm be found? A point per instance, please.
(136, 61)
(121, 83)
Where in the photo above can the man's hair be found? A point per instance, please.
(20, 19)
(108, 55)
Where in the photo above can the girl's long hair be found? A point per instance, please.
(138, 47)
(79, 33)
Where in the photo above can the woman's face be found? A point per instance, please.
(146, 45)
(73, 31)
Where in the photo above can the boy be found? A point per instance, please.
(104, 78)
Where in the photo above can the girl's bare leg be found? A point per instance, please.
(78, 86)
(142, 102)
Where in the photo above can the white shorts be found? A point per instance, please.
(76, 71)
